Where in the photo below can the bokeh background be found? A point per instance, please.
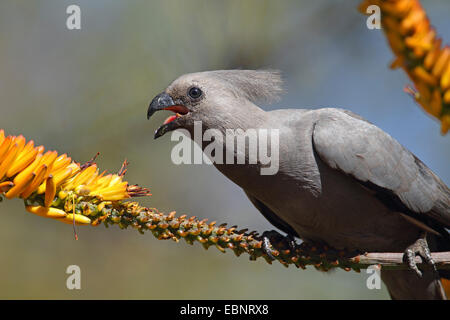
(87, 91)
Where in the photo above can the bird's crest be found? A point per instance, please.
(262, 86)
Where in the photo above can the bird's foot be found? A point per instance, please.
(418, 248)
(273, 240)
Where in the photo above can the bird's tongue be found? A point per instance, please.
(178, 109)
(171, 118)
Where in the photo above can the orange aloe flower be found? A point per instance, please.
(419, 52)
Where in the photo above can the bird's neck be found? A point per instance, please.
(245, 116)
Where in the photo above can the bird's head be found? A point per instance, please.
(214, 97)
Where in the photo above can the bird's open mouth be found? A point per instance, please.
(165, 102)
(179, 110)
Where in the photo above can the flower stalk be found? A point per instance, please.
(419, 52)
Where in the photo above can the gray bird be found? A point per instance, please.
(341, 181)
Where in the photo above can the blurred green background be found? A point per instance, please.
(87, 91)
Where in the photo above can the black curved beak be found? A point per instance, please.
(163, 101)
(164, 129)
(160, 102)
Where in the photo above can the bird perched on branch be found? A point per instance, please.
(341, 181)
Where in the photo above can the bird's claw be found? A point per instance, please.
(267, 247)
(420, 247)
(292, 243)
(274, 237)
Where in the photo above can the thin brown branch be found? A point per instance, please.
(393, 260)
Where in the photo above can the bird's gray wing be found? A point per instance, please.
(271, 216)
(398, 178)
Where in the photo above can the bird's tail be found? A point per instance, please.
(406, 285)
(443, 245)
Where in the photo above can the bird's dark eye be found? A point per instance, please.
(195, 93)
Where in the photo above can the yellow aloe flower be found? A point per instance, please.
(419, 52)
(45, 180)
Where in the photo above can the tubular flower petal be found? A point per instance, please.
(46, 212)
